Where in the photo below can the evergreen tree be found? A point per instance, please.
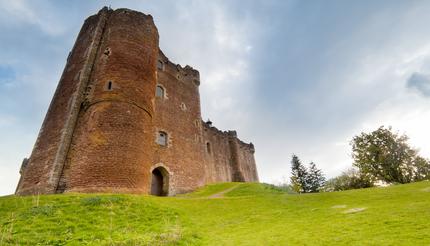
(315, 179)
(298, 175)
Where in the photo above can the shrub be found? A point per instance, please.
(350, 179)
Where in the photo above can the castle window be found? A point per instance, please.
(162, 138)
(159, 91)
(160, 65)
(109, 86)
(208, 147)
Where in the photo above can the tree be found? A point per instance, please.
(386, 156)
(350, 179)
(298, 175)
(314, 179)
(422, 169)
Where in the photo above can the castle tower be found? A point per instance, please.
(96, 134)
(124, 118)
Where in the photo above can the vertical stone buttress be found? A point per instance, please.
(237, 174)
(95, 136)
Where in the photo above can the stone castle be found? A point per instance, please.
(126, 119)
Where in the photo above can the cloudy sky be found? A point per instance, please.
(298, 77)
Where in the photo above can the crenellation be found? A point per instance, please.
(185, 74)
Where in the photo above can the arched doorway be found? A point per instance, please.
(160, 182)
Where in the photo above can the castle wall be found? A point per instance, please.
(227, 158)
(41, 174)
(177, 113)
(246, 161)
(112, 144)
(217, 155)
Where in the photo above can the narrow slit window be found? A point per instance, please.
(109, 86)
(208, 147)
(159, 91)
(162, 138)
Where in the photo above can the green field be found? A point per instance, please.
(248, 214)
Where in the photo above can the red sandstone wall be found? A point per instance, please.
(178, 114)
(112, 144)
(247, 164)
(41, 173)
(229, 159)
(218, 157)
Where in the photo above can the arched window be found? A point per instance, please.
(162, 138)
(208, 147)
(159, 91)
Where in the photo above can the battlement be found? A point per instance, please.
(108, 10)
(186, 74)
(207, 126)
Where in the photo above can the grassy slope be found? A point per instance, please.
(250, 214)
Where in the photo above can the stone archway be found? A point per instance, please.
(160, 181)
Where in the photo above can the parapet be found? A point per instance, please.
(186, 74)
(207, 126)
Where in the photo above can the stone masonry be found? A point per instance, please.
(126, 119)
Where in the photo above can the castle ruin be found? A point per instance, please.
(126, 119)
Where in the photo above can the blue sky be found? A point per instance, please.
(298, 77)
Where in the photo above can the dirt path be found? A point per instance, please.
(221, 193)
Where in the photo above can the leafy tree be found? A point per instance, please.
(386, 156)
(315, 179)
(350, 179)
(422, 169)
(298, 175)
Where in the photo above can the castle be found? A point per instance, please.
(126, 119)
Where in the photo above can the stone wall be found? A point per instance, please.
(112, 145)
(46, 162)
(227, 158)
(100, 132)
(177, 113)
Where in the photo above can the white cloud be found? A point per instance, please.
(35, 13)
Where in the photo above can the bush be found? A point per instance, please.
(348, 180)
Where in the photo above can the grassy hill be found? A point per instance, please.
(222, 214)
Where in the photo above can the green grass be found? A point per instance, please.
(250, 214)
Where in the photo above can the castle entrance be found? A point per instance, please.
(160, 182)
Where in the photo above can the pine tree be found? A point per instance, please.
(298, 175)
(315, 179)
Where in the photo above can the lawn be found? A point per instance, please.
(248, 214)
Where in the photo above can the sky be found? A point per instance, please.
(291, 76)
